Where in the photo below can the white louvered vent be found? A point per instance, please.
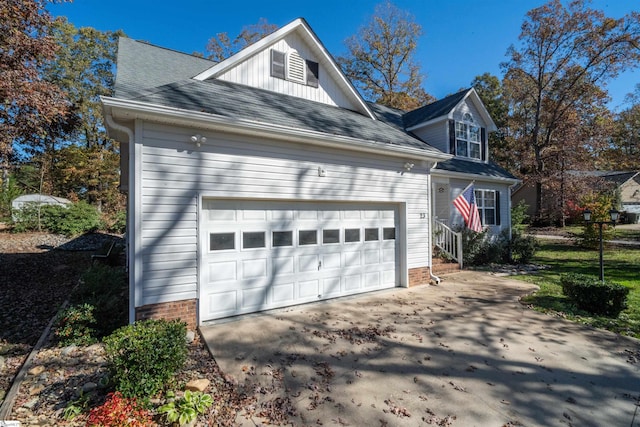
(296, 67)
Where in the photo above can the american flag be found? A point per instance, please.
(466, 204)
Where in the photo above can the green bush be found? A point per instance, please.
(144, 356)
(76, 325)
(591, 295)
(105, 288)
(118, 222)
(70, 220)
(521, 248)
(73, 220)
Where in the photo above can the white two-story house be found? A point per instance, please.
(266, 180)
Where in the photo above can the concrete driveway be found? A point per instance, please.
(462, 353)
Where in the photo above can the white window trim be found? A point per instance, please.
(482, 210)
(468, 122)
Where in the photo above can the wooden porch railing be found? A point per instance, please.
(448, 241)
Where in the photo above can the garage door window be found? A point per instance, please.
(222, 241)
(370, 234)
(389, 233)
(282, 238)
(351, 235)
(307, 237)
(330, 236)
(253, 240)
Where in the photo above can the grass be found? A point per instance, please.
(621, 265)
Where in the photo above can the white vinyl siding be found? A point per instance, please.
(175, 173)
(457, 186)
(255, 71)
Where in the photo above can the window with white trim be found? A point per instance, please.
(487, 206)
(468, 138)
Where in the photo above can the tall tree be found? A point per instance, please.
(28, 104)
(567, 54)
(221, 46)
(381, 59)
(624, 151)
(489, 89)
(83, 160)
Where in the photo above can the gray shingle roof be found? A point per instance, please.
(489, 170)
(238, 101)
(143, 66)
(161, 76)
(439, 108)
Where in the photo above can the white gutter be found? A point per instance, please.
(469, 176)
(108, 118)
(130, 110)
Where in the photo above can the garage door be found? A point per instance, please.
(259, 256)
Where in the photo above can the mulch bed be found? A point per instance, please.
(38, 271)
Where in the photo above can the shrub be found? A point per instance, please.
(105, 288)
(593, 296)
(76, 325)
(119, 411)
(521, 248)
(73, 220)
(144, 356)
(117, 223)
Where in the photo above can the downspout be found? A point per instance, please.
(432, 276)
(108, 118)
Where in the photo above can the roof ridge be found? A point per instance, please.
(169, 49)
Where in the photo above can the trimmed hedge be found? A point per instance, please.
(590, 294)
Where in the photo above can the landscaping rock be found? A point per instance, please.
(36, 370)
(198, 385)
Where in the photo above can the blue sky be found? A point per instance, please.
(462, 39)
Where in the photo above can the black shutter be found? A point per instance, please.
(484, 144)
(498, 208)
(452, 137)
(312, 73)
(277, 64)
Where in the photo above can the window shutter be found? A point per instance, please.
(312, 73)
(498, 208)
(484, 144)
(452, 137)
(277, 64)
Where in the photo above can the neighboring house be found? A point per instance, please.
(265, 180)
(626, 183)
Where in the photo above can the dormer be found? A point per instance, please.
(458, 125)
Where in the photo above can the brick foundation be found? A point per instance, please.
(184, 310)
(419, 276)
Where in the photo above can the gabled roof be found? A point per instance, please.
(616, 177)
(443, 109)
(301, 28)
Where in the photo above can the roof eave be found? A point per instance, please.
(470, 176)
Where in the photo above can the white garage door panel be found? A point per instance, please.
(263, 255)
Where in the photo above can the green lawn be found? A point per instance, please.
(621, 265)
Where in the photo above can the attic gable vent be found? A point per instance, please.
(291, 66)
(296, 67)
